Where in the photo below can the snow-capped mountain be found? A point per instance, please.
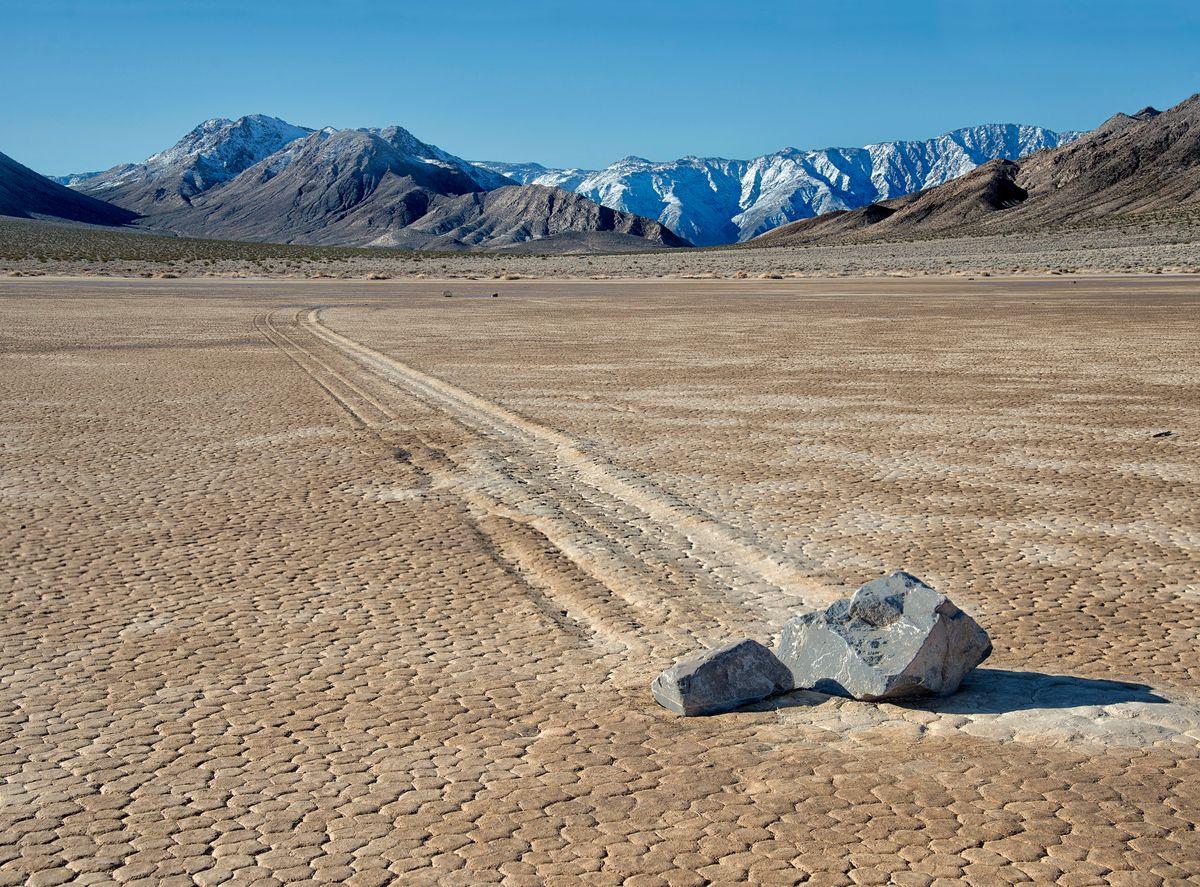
(260, 178)
(219, 150)
(74, 178)
(212, 153)
(536, 174)
(211, 179)
(343, 186)
(711, 201)
(1147, 162)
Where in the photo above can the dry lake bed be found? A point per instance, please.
(351, 582)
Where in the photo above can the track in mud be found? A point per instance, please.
(624, 565)
(623, 558)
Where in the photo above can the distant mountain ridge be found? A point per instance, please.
(210, 154)
(712, 201)
(706, 201)
(536, 174)
(1132, 163)
(28, 195)
(262, 178)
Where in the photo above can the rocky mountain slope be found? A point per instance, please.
(26, 194)
(1120, 120)
(1147, 164)
(384, 187)
(1149, 161)
(341, 187)
(211, 154)
(526, 213)
(968, 199)
(713, 201)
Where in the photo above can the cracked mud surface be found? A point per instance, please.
(320, 583)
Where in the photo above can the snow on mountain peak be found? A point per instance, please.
(225, 147)
(706, 200)
(535, 174)
(711, 200)
(210, 154)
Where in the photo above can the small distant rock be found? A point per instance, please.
(1163, 434)
(896, 637)
(736, 674)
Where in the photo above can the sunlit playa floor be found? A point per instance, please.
(350, 582)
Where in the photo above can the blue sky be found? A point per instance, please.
(85, 85)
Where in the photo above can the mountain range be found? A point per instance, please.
(712, 201)
(1132, 163)
(262, 178)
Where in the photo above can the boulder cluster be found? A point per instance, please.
(895, 638)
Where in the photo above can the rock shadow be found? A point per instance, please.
(997, 691)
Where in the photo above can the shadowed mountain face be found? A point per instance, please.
(1149, 161)
(26, 194)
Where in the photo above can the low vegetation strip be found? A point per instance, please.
(21, 240)
(1158, 243)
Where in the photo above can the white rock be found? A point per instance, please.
(895, 638)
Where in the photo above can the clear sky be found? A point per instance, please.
(85, 84)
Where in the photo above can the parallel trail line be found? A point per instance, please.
(262, 323)
(347, 383)
(731, 553)
(609, 629)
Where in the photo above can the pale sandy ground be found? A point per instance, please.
(342, 582)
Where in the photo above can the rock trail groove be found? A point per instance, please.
(602, 552)
(621, 557)
(614, 501)
(277, 616)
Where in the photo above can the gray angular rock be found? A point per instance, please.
(896, 637)
(735, 674)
